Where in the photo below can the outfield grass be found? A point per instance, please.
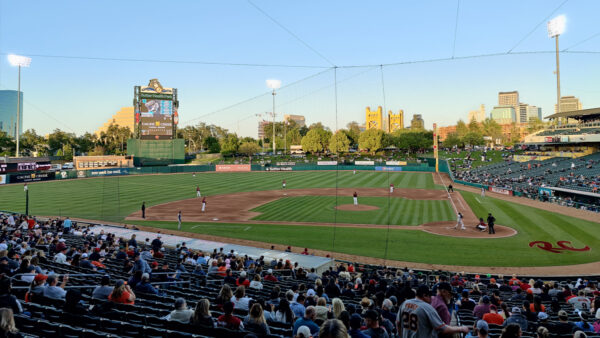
(321, 209)
(114, 198)
(418, 246)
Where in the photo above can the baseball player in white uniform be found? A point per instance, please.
(198, 194)
(459, 221)
(391, 188)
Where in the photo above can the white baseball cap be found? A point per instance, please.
(304, 331)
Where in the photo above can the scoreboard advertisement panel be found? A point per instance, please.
(156, 111)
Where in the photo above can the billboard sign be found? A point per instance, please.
(395, 162)
(388, 168)
(501, 191)
(108, 172)
(327, 163)
(2, 179)
(232, 167)
(34, 177)
(364, 162)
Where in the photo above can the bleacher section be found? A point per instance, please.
(45, 317)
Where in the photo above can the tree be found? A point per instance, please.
(339, 142)
(535, 124)
(315, 141)
(473, 138)
(58, 139)
(461, 128)
(212, 144)
(85, 143)
(249, 148)
(492, 129)
(371, 140)
(353, 133)
(474, 126)
(229, 144)
(452, 140)
(7, 144)
(31, 142)
(413, 141)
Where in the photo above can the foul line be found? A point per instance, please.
(447, 192)
(478, 200)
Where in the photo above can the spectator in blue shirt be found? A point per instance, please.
(144, 286)
(298, 306)
(140, 264)
(53, 291)
(307, 320)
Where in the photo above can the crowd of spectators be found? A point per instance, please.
(268, 298)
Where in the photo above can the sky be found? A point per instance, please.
(88, 56)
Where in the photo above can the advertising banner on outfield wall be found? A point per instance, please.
(327, 163)
(388, 168)
(546, 191)
(279, 169)
(108, 172)
(232, 167)
(501, 191)
(286, 163)
(364, 162)
(2, 179)
(31, 177)
(395, 163)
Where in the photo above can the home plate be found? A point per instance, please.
(215, 219)
(284, 194)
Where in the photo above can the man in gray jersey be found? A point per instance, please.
(417, 318)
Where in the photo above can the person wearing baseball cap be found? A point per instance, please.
(563, 326)
(516, 317)
(480, 330)
(303, 332)
(441, 300)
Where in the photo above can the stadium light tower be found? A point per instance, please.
(556, 27)
(274, 84)
(19, 61)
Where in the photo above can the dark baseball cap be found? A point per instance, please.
(372, 315)
(445, 286)
(355, 321)
(423, 290)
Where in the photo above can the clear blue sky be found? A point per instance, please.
(79, 95)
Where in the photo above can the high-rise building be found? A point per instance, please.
(395, 121)
(522, 115)
(125, 117)
(299, 119)
(534, 112)
(569, 103)
(504, 114)
(477, 115)
(8, 112)
(417, 122)
(510, 99)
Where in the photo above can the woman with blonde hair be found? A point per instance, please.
(202, 315)
(122, 293)
(7, 323)
(338, 307)
(256, 283)
(224, 296)
(321, 309)
(255, 322)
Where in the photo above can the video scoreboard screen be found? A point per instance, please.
(156, 111)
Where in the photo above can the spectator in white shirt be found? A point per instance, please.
(239, 299)
(61, 257)
(256, 283)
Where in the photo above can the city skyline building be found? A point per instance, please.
(504, 114)
(509, 99)
(477, 115)
(299, 119)
(569, 103)
(417, 122)
(8, 112)
(261, 128)
(125, 117)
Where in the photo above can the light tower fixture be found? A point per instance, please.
(556, 27)
(274, 84)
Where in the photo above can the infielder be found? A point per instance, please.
(482, 192)
(198, 194)
(203, 204)
(355, 198)
(391, 188)
(283, 184)
(459, 221)
(179, 220)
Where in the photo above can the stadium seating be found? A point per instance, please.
(45, 317)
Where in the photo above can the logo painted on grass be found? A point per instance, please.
(562, 245)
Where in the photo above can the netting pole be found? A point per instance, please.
(337, 169)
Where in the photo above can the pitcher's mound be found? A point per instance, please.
(360, 207)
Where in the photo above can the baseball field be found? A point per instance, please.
(412, 224)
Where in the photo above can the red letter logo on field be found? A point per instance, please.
(562, 245)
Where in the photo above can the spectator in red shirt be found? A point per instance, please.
(493, 317)
(228, 320)
(122, 293)
(242, 280)
(270, 276)
(305, 252)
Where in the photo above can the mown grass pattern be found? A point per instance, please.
(321, 209)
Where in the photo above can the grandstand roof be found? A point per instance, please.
(583, 114)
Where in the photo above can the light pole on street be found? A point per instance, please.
(274, 84)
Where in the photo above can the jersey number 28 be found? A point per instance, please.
(410, 321)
